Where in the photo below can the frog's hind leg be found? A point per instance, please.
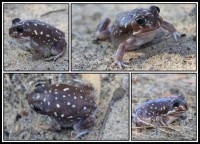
(58, 50)
(82, 127)
(102, 30)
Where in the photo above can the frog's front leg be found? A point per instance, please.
(161, 120)
(171, 29)
(121, 50)
(55, 126)
(82, 127)
(102, 30)
(57, 50)
(36, 50)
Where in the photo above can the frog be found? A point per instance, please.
(69, 106)
(160, 112)
(42, 40)
(133, 28)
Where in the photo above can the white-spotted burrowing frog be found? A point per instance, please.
(133, 28)
(160, 112)
(39, 38)
(68, 105)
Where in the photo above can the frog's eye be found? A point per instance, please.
(140, 20)
(20, 29)
(176, 104)
(37, 108)
(39, 88)
(158, 9)
(16, 20)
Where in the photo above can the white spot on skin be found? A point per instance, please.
(27, 24)
(55, 114)
(68, 103)
(55, 39)
(45, 91)
(57, 105)
(35, 24)
(65, 89)
(38, 96)
(35, 32)
(84, 108)
(62, 115)
(57, 85)
(44, 100)
(70, 117)
(64, 95)
(68, 94)
(55, 92)
(48, 103)
(155, 107)
(56, 98)
(41, 32)
(73, 106)
(47, 35)
(81, 97)
(163, 107)
(74, 97)
(56, 31)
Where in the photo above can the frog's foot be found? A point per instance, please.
(55, 126)
(121, 64)
(50, 58)
(175, 35)
(77, 134)
(172, 31)
(102, 30)
(54, 58)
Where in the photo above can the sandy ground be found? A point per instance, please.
(153, 86)
(17, 59)
(21, 123)
(160, 54)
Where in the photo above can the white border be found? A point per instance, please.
(125, 72)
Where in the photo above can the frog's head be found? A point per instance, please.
(146, 20)
(19, 29)
(37, 98)
(177, 106)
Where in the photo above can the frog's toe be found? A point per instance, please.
(50, 58)
(121, 64)
(77, 134)
(175, 35)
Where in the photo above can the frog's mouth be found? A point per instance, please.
(176, 113)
